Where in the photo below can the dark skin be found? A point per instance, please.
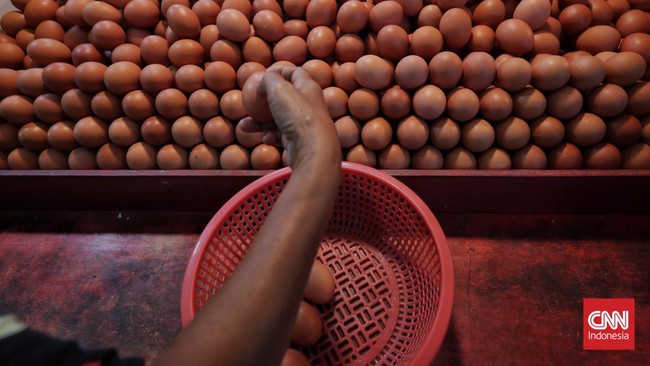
(250, 321)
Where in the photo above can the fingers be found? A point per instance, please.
(304, 82)
(274, 86)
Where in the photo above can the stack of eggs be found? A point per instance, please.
(423, 84)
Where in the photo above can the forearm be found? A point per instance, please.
(250, 320)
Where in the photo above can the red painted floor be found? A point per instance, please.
(520, 280)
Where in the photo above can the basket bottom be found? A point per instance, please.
(359, 322)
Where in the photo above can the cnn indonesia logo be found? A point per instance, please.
(608, 324)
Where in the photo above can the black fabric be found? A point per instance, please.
(31, 348)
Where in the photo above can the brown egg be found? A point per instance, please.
(142, 13)
(47, 107)
(362, 155)
(637, 157)
(639, 43)
(254, 49)
(295, 8)
(477, 135)
(82, 158)
(91, 132)
(514, 36)
(377, 133)
(348, 48)
(430, 15)
(61, 136)
(479, 70)
(575, 18)
(233, 25)
(320, 71)
(13, 22)
(141, 156)
(33, 136)
(30, 82)
(292, 49)
(43, 51)
(186, 52)
(585, 129)
(89, 76)
(599, 38)
(219, 132)
(601, 11)
(638, 96)
(514, 74)
(248, 69)
(138, 105)
(96, 11)
(209, 33)
(9, 85)
(370, 42)
(546, 131)
(232, 106)
(256, 105)
(59, 77)
(8, 136)
(624, 68)
(456, 27)
(587, 72)
(490, 13)
(204, 156)
(348, 130)
(249, 133)
(444, 133)
(37, 11)
(619, 7)
(429, 102)
(512, 133)
(52, 159)
(186, 24)
(393, 42)
(411, 72)
(104, 105)
(187, 131)
(564, 103)
(529, 157)
(154, 50)
(111, 157)
(344, 77)
(427, 157)
(602, 156)
(462, 104)
(528, 103)
(294, 358)
(203, 104)
(17, 109)
(482, 39)
(336, 100)
(495, 104)
(234, 157)
(385, 13)
(189, 78)
(122, 77)
(296, 27)
(22, 159)
(127, 52)
(86, 52)
(445, 70)
(396, 103)
(166, 4)
(243, 6)
(460, 158)
(321, 42)
(352, 16)
(564, 156)
(171, 103)
(573, 55)
(363, 104)
(259, 5)
(624, 130)
(124, 132)
(24, 37)
(533, 12)
(107, 35)
(172, 156)
(77, 35)
(320, 12)
(633, 21)
(268, 26)
(394, 156)
(155, 78)
(545, 43)
(264, 157)
(373, 72)
(220, 77)
(607, 100)
(412, 133)
(494, 158)
(74, 11)
(550, 72)
(426, 42)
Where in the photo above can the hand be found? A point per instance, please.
(301, 117)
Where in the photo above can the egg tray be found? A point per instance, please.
(135, 85)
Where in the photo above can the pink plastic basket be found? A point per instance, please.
(386, 250)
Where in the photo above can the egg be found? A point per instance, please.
(82, 158)
(564, 156)
(599, 38)
(111, 156)
(203, 104)
(477, 135)
(59, 77)
(528, 103)
(587, 72)
(61, 136)
(639, 43)
(256, 104)
(320, 71)
(638, 96)
(514, 36)
(8, 136)
(246, 70)
(74, 11)
(426, 42)
(429, 102)
(482, 39)
(154, 50)
(292, 49)
(490, 13)
(529, 157)
(462, 104)
(601, 11)
(395, 103)
(10, 80)
(445, 70)
(385, 13)
(187, 131)
(122, 77)
(533, 12)
(43, 51)
(411, 72)
(13, 22)
(268, 26)
(564, 103)
(265, 157)
(22, 159)
(585, 129)
(80, 35)
(231, 105)
(336, 100)
(17, 109)
(479, 70)
(393, 42)
(52, 159)
(460, 158)
(259, 5)
(546, 131)
(377, 133)
(30, 82)
(623, 130)
(124, 132)
(47, 108)
(91, 132)
(427, 157)
(494, 159)
(249, 133)
(373, 72)
(141, 156)
(344, 77)
(444, 133)
(295, 8)
(234, 157)
(171, 103)
(456, 27)
(204, 156)
(394, 156)
(243, 6)
(429, 15)
(512, 133)
(602, 156)
(186, 52)
(624, 68)
(24, 37)
(138, 105)
(146, 14)
(514, 74)
(96, 11)
(348, 48)
(86, 52)
(104, 104)
(220, 77)
(550, 72)
(156, 131)
(412, 133)
(352, 16)
(619, 7)
(362, 155)
(363, 104)
(172, 156)
(37, 11)
(294, 358)
(254, 49)
(33, 136)
(495, 104)
(607, 100)
(633, 21)
(296, 27)
(348, 130)
(637, 157)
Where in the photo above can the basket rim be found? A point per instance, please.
(426, 354)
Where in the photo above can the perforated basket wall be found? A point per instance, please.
(385, 249)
